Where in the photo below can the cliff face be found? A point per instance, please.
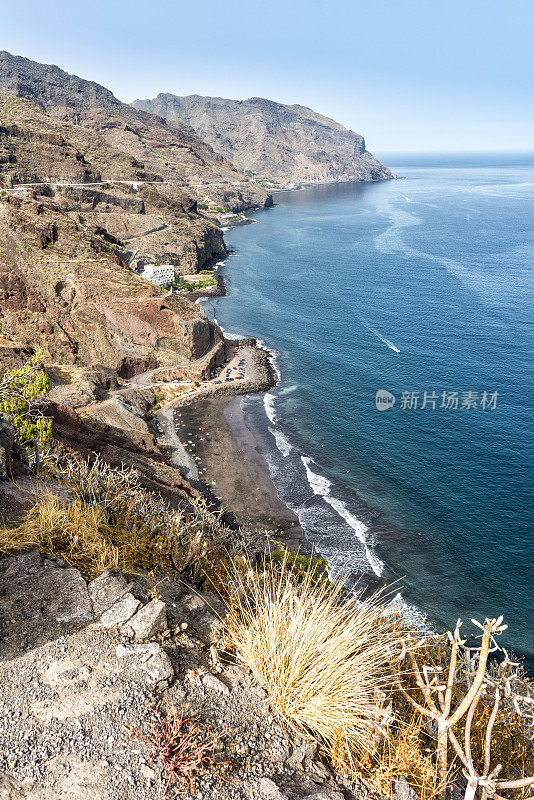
(150, 146)
(67, 240)
(285, 144)
(34, 147)
(65, 286)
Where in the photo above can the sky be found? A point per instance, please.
(409, 76)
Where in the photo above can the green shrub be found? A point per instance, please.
(313, 566)
(20, 390)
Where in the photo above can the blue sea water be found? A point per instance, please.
(422, 284)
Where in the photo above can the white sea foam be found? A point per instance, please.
(227, 334)
(281, 441)
(409, 612)
(359, 529)
(390, 241)
(483, 282)
(274, 357)
(321, 486)
(288, 389)
(318, 483)
(268, 402)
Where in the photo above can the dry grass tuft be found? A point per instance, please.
(113, 522)
(403, 754)
(78, 532)
(324, 658)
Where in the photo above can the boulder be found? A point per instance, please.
(215, 684)
(306, 750)
(120, 612)
(33, 588)
(150, 659)
(264, 789)
(106, 590)
(148, 621)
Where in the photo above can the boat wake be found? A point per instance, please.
(379, 336)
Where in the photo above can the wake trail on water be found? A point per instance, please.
(484, 283)
(379, 336)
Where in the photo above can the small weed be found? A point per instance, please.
(182, 746)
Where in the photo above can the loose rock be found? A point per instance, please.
(120, 612)
(149, 620)
(106, 590)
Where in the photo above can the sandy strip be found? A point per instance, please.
(230, 461)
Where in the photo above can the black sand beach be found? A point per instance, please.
(230, 460)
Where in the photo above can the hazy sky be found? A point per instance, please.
(420, 75)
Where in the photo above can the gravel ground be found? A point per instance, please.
(67, 705)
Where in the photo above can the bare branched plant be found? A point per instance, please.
(440, 702)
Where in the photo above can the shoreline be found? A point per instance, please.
(209, 440)
(232, 465)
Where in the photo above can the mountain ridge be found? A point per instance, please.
(172, 152)
(284, 144)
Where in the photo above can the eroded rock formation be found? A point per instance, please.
(281, 143)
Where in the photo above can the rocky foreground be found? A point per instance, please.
(84, 663)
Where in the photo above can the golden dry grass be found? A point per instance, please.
(82, 534)
(113, 522)
(403, 754)
(324, 658)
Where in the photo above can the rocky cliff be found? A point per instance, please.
(150, 146)
(65, 284)
(280, 143)
(67, 240)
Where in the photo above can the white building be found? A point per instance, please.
(160, 274)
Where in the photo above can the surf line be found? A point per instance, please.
(379, 335)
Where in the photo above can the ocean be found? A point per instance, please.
(419, 289)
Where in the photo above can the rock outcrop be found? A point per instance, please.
(283, 144)
(84, 665)
(66, 287)
(13, 457)
(131, 448)
(92, 186)
(145, 146)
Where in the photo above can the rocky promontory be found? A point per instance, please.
(285, 144)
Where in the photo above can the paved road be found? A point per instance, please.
(145, 377)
